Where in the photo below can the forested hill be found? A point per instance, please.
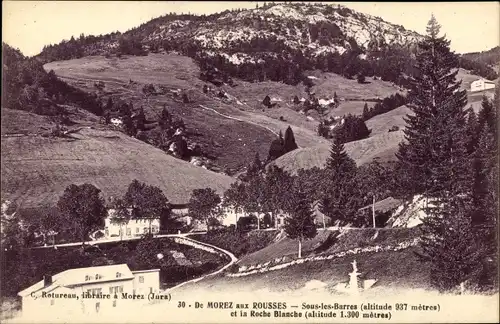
(259, 44)
(27, 86)
(483, 61)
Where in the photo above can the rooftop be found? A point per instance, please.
(82, 276)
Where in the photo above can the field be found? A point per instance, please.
(36, 169)
(326, 84)
(382, 123)
(382, 146)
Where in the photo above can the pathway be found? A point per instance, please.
(234, 259)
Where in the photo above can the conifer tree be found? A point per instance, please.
(289, 142)
(438, 166)
(267, 101)
(437, 128)
(276, 149)
(472, 131)
(487, 115)
(299, 224)
(366, 112)
(140, 119)
(254, 167)
(109, 104)
(340, 200)
(165, 120)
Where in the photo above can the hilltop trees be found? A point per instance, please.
(83, 209)
(354, 128)
(282, 146)
(27, 86)
(437, 164)
(130, 45)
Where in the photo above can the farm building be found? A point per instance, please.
(481, 85)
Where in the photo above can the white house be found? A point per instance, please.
(481, 85)
(133, 227)
(91, 290)
(117, 122)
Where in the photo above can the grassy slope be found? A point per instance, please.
(392, 269)
(345, 240)
(36, 170)
(326, 84)
(382, 123)
(382, 145)
(232, 142)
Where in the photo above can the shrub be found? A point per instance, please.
(234, 268)
(149, 89)
(267, 101)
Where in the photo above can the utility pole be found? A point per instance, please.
(373, 211)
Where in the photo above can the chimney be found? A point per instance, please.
(47, 280)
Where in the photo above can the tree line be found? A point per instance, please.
(27, 86)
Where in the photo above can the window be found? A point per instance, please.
(115, 290)
(95, 291)
(52, 302)
(97, 307)
(87, 278)
(141, 279)
(114, 303)
(98, 276)
(129, 231)
(145, 229)
(137, 229)
(118, 275)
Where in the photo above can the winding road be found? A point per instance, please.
(234, 259)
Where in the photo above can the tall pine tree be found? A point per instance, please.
(289, 142)
(438, 166)
(436, 129)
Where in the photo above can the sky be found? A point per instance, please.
(29, 25)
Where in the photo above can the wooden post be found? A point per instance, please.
(300, 248)
(373, 212)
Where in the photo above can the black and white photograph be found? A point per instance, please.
(249, 162)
